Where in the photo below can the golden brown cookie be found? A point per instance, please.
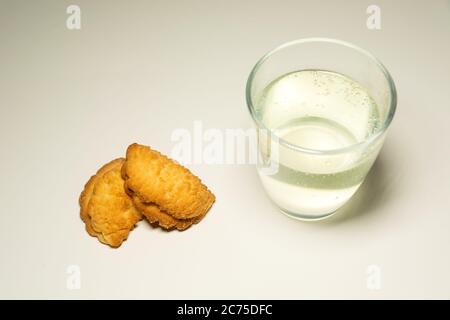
(106, 209)
(87, 193)
(160, 218)
(155, 179)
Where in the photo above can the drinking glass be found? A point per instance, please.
(321, 108)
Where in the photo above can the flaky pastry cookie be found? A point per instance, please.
(162, 219)
(106, 209)
(154, 179)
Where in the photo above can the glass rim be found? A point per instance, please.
(368, 140)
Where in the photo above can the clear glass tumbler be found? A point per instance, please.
(322, 108)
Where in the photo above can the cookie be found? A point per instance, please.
(106, 209)
(155, 179)
(162, 219)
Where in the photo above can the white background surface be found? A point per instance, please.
(72, 100)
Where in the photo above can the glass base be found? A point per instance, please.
(306, 217)
(306, 204)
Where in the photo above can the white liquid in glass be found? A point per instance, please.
(318, 110)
